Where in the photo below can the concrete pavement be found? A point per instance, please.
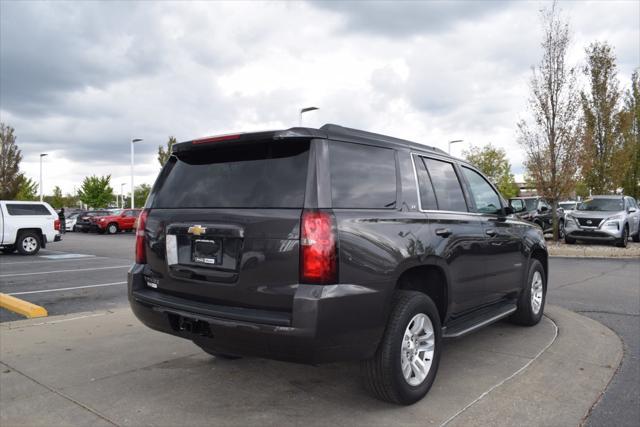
(106, 368)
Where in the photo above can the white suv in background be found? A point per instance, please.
(27, 226)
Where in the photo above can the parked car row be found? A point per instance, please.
(105, 221)
(612, 219)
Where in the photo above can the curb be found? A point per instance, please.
(558, 388)
(22, 307)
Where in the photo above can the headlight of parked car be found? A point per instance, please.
(613, 221)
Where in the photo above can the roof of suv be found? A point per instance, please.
(329, 131)
(607, 196)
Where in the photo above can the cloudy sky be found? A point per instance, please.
(78, 80)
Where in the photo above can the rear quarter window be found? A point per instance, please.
(27, 209)
(362, 176)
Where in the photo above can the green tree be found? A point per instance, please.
(493, 162)
(96, 191)
(10, 157)
(163, 155)
(550, 137)
(142, 192)
(628, 159)
(57, 200)
(27, 189)
(603, 118)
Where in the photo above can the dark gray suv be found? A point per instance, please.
(319, 245)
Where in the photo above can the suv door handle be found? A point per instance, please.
(491, 232)
(443, 232)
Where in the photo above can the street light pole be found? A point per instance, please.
(122, 195)
(305, 110)
(453, 142)
(41, 156)
(133, 141)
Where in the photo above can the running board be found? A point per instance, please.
(477, 320)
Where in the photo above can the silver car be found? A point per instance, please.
(604, 218)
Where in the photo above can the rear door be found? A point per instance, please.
(458, 233)
(224, 222)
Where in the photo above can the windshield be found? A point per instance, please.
(568, 205)
(602, 205)
(116, 211)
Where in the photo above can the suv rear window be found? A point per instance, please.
(261, 175)
(362, 176)
(27, 209)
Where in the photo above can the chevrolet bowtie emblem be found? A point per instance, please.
(197, 230)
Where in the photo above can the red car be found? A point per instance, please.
(119, 220)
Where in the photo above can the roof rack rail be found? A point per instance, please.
(337, 130)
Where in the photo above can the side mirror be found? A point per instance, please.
(508, 210)
(632, 210)
(543, 208)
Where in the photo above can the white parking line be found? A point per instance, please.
(31, 262)
(67, 289)
(65, 271)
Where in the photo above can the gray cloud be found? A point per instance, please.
(406, 17)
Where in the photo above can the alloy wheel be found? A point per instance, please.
(536, 292)
(29, 244)
(418, 345)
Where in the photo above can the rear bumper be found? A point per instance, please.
(327, 323)
(87, 227)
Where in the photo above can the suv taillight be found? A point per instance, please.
(318, 249)
(141, 255)
(56, 225)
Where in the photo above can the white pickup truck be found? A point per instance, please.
(27, 226)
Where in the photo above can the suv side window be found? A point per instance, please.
(446, 185)
(425, 186)
(362, 176)
(27, 209)
(487, 201)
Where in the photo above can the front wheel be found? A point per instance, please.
(533, 296)
(568, 240)
(112, 228)
(404, 366)
(624, 240)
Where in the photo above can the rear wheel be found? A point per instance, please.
(622, 241)
(636, 237)
(112, 228)
(28, 243)
(533, 296)
(568, 240)
(406, 361)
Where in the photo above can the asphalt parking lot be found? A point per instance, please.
(93, 363)
(84, 272)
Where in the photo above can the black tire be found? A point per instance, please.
(225, 356)
(112, 228)
(75, 229)
(28, 243)
(526, 314)
(84, 230)
(382, 374)
(8, 249)
(636, 237)
(624, 240)
(561, 230)
(569, 241)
